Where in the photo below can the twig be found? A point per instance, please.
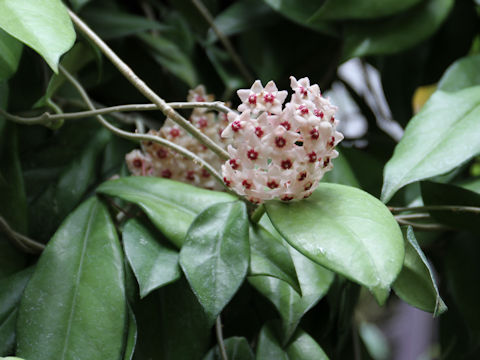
(21, 241)
(453, 208)
(141, 86)
(412, 216)
(139, 137)
(224, 40)
(47, 118)
(426, 227)
(221, 344)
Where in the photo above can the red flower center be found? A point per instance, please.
(258, 131)
(252, 99)
(233, 163)
(272, 184)
(303, 109)
(247, 184)
(236, 125)
(137, 163)
(252, 154)
(162, 153)
(269, 98)
(314, 134)
(166, 173)
(174, 132)
(286, 164)
(286, 125)
(318, 113)
(312, 157)
(280, 141)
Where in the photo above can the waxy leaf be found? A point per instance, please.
(270, 257)
(10, 53)
(11, 290)
(170, 205)
(44, 25)
(314, 282)
(347, 231)
(461, 74)
(131, 336)
(397, 33)
(415, 284)
(365, 9)
(216, 254)
(237, 348)
(74, 306)
(301, 347)
(442, 136)
(153, 263)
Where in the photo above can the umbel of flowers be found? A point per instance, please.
(157, 160)
(280, 151)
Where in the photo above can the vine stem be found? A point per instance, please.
(23, 242)
(453, 208)
(427, 227)
(221, 344)
(257, 214)
(139, 137)
(224, 40)
(141, 86)
(46, 117)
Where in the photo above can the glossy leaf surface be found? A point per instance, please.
(415, 283)
(76, 295)
(43, 25)
(131, 339)
(461, 74)
(270, 257)
(154, 263)
(237, 348)
(347, 231)
(438, 141)
(170, 205)
(10, 52)
(215, 255)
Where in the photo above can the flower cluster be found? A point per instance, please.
(280, 151)
(158, 160)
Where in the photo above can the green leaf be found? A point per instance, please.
(439, 143)
(300, 11)
(301, 347)
(112, 24)
(43, 25)
(169, 55)
(461, 74)
(395, 34)
(131, 336)
(415, 284)
(215, 255)
(446, 194)
(375, 341)
(78, 4)
(170, 205)
(10, 53)
(270, 257)
(471, 184)
(365, 9)
(58, 199)
(347, 231)
(153, 263)
(237, 348)
(11, 292)
(11, 259)
(80, 55)
(76, 295)
(341, 173)
(314, 281)
(242, 16)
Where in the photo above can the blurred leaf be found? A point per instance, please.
(347, 231)
(440, 143)
(397, 33)
(44, 26)
(215, 255)
(78, 4)
(241, 16)
(314, 282)
(131, 336)
(471, 184)
(270, 257)
(74, 60)
(11, 292)
(416, 284)
(301, 11)
(228, 74)
(462, 74)
(341, 173)
(169, 204)
(301, 347)
(51, 207)
(153, 263)
(237, 349)
(446, 194)
(365, 9)
(167, 54)
(10, 53)
(375, 341)
(111, 24)
(77, 293)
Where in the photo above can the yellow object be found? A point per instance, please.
(421, 95)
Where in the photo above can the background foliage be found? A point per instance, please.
(302, 283)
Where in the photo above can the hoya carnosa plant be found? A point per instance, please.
(280, 152)
(157, 160)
